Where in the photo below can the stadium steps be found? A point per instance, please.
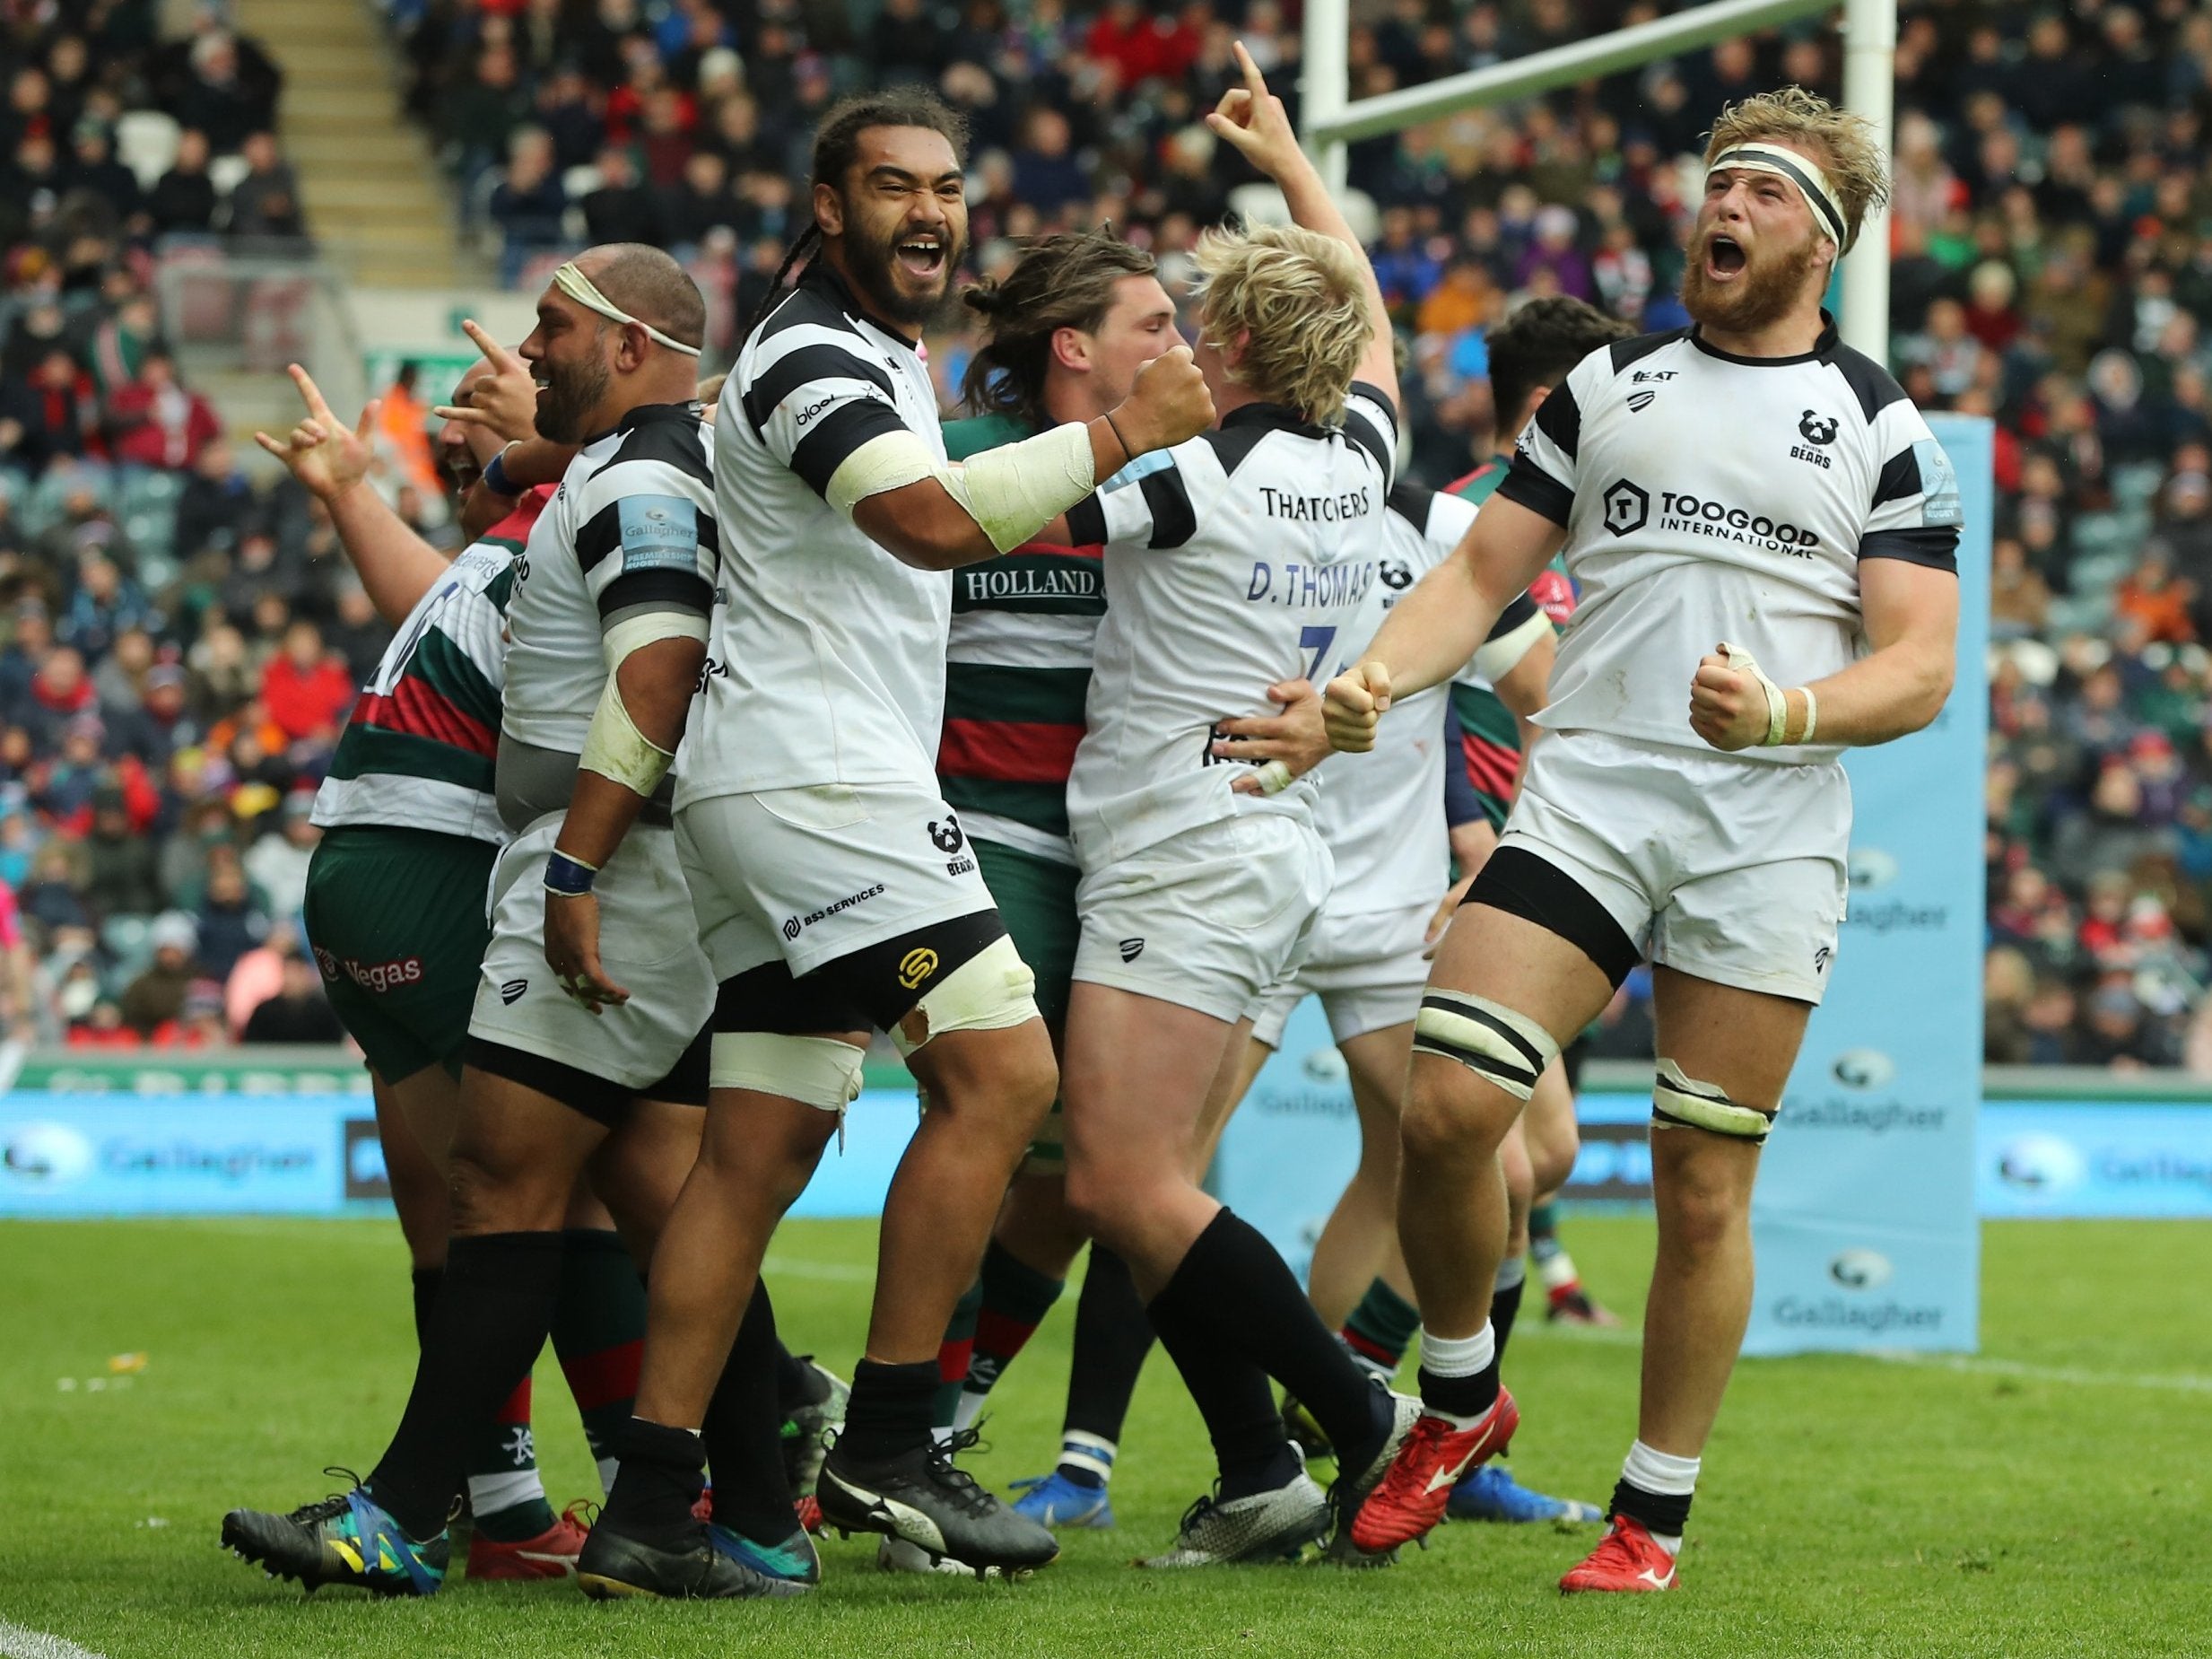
(373, 193)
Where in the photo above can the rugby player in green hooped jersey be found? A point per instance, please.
(1531, 354)
(1069, 325)
(394, 913)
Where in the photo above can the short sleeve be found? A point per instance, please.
(1915, 514)
(1148, 505)
(1371, 422)
(813, 396)
(1544, 473)
(646, 538)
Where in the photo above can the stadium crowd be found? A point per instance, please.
(183, 645)
(180, 646)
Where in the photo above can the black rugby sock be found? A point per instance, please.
(490, 1320)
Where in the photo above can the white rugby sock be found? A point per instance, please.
(1664, 1475)
(1464, 1356)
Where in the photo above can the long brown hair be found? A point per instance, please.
(1063, 281)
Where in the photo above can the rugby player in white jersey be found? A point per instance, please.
(834, 888)
(1764, 530)
(1369, 961)
(616, 569)
(1233, 563)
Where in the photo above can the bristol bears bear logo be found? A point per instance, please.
(947, 835)
(1628, 507)
(1815, 427)
(1396, 574)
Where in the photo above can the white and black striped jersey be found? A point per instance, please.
(1710, 497)
(827, 664)
(1236, 560)
(631, 528)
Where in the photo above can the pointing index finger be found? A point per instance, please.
(504, 360)
(1253, 81)
(310, 393)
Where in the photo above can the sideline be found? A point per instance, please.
(18, 1643)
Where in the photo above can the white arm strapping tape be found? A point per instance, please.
(614, 748)
(1012, 492)
(1496, 658)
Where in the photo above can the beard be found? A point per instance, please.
(572, 391)
(1762, 297)
(869, 261)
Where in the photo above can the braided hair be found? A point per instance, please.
(837, 146)
(1063, 281)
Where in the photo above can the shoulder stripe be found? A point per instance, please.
(799, 306)
(1623, 353)
(1087, 521)
(1529, 485)
(679, 444)
(1361, 431)
(822, 451)
(1411, 502)
(1174, 520)
(660, 591)
(816, 361)
(1901, 478)
(1560, 418)
(1870, 383)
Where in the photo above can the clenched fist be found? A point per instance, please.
(1354, 701)
(1168, 406)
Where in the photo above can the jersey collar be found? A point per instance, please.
(820, 274)
(1275, 416)
(645, 414)
(1823, 349)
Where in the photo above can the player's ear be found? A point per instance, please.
(829, 210)
(1071, 348)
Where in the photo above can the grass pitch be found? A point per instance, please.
(2048, 1498)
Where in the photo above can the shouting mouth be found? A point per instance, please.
(921, 256)
(1724, 258)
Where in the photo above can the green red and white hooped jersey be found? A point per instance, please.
(418, 750)
(1017, 669)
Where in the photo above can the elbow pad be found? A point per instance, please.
(1011, 493)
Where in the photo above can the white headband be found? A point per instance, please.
(1812, 183)
(580, 288)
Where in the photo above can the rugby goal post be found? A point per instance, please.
(1331, 119)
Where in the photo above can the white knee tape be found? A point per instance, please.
(991, 991)
(814, 1071)
(1490, 1040)
(1679, 1102)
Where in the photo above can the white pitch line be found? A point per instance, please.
(18, 1643)
(1975, 1365)
(1962, 1365)
(791, 1267)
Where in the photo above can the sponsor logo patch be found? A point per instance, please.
(511, 992)
(1131, 949)
(916, 966)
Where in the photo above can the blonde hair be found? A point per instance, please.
(1843, 144)
(1299, 299)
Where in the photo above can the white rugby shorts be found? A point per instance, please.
(647, 941)
(1726, 870)
(1368, 970)
(1209, 919)
(807, 876)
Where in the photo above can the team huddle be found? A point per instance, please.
(1071, 745)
